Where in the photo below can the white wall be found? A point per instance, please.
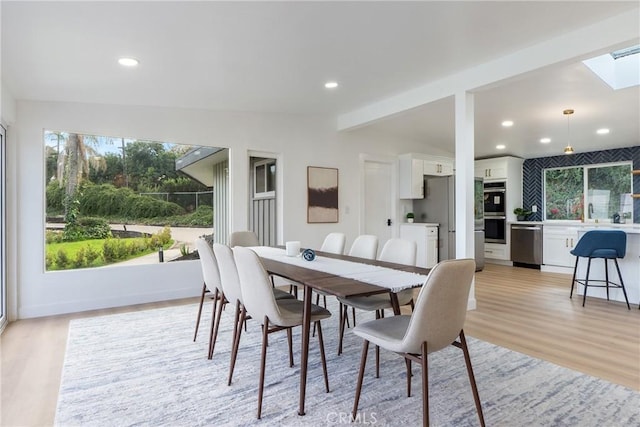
(302, 140)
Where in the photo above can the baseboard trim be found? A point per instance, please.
(120, 301)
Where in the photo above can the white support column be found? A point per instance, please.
(465, 148)
(464, 175)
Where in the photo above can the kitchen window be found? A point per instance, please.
(589, 192)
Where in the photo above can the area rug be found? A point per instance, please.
(143, 369)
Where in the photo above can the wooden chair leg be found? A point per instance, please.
(363, 363)
(407, 363)
(353, 312)
(204, 291)
(378, 316)
(322, 357)
(341, 334)
(290, 342)
(213, 320)
(236, 343)
(212, 345)
(425, 384)
(472, 379)
(263, 359)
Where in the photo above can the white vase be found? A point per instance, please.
(410, 220)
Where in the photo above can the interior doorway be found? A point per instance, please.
(379, 206)
(263, 199)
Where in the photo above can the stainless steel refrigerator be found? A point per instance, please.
(438, 206)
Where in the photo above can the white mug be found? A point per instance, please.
(293, 248)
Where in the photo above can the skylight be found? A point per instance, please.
(619, 69)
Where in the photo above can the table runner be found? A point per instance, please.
(394, 280)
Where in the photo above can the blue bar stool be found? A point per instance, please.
(605, 244)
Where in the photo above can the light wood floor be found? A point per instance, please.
(521, 309)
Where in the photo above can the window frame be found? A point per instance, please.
(585, 188)
(263, 194)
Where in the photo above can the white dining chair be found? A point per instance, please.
(334, 243)
(231, 286)
(436, 322)
(398, 251)
(365, 246)
(274, 315)
(243, 238)
(211, 275)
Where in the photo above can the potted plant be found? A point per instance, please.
(410, 217)
(521, 213)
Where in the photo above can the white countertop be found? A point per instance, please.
(581, 225)
(629, 228)
(422, 224)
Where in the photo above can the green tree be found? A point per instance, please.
(148, 164)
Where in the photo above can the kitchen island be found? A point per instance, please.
(561, 238)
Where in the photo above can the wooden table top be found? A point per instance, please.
(332, 284)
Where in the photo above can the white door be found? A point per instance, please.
(378, 200)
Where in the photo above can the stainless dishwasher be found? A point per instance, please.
(526, 244)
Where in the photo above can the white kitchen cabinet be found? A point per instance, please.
(411, 177)
(491, 170)
(557, 242)
(438, 167)
(497, 251)
(426, 238)
(412, 169)
(504, 168)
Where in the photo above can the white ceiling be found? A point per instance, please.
(276, 56)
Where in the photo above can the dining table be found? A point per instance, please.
(339, 275)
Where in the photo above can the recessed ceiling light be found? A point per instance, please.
(331, 85)
(128, 62)
(545, 140)
(501, 146)
(602, 131)
(507, 123)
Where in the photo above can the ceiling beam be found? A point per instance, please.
(615, 32)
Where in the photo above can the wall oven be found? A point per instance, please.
(494, 198)
(495, 229)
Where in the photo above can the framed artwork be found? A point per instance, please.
(322, 195)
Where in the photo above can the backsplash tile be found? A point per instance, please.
(532, 174)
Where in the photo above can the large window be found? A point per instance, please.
(590, 193)
(116, 200)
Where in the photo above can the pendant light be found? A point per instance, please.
(568, 149)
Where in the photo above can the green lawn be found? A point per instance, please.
(73, 249)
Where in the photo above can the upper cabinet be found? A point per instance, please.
(412, 169)
(490, 169)
(438, 167)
